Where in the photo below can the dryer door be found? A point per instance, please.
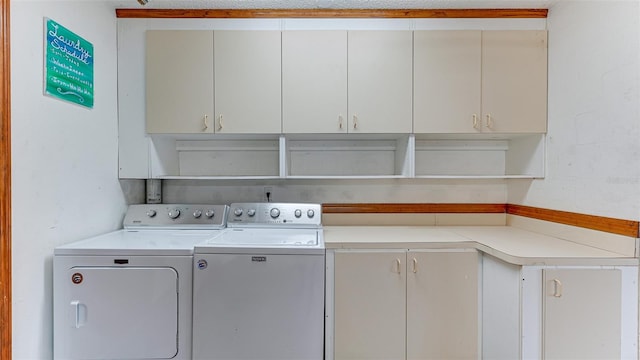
(122, 312)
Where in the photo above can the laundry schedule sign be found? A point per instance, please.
(68, 65)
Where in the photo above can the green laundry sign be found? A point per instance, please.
(69, 65)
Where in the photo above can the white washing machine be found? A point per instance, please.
(128, 294)
(259, 287)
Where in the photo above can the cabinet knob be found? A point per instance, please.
(475, 121)
(340, 122)
(355, 121)
(220, 124)
(398, 266)
(415, 265)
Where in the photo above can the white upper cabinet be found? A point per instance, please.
(347, 82)
(314, 82)
(447, 81)
(247, 82)
(480, 81)
(514, 81)
(179, 81)
(380, 78)
(291, 93)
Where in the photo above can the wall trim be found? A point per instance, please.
(5, 184)
(330, 13)
(610, 225)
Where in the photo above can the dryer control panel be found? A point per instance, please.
(275, 215)
(176, 216)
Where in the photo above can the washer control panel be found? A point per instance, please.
(186, 216)
(275, 214)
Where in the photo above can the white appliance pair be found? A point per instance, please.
(253, 291)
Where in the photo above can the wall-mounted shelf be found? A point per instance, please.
(215, 157)
(479, 156)
(342, 156)
(363, 156)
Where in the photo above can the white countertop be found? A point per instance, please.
(510, 244)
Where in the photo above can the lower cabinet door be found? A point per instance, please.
(442, 304)
(582, 313)
(370, 304)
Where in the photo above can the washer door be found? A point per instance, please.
(122, 312)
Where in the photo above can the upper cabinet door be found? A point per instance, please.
(179, 81)
(447, 81)
(380, 78)
(314, 81)
(514, 81)
(247, 82)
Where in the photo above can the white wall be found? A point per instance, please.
(337, 191)
(593, 143)
(65, 176)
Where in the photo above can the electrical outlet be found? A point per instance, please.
(267, 194)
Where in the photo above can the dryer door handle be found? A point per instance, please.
(78, 313)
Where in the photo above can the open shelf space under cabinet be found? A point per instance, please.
(357, 156)
(474, 156)
(202, 157)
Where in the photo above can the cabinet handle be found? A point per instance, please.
(475, 121)
(415, 265)
(220, 124)
(557, 288)
(205, 123)
(355, 121)
(489, 122)
(398, 265)
(340, 121)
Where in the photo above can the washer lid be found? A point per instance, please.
(252, 238)
(140, 242)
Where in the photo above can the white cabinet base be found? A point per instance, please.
(402, 304)
(515, 288)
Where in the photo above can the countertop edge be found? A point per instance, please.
(486, 249)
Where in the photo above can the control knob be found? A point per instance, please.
(237, 211)
(311, 213)
(151, 213)
(209, 213)
(275, 212)
(298, 213)
(197, 214)
(174, 214)
(251, 212)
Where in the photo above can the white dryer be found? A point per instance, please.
(259, 287)
(128, 294)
